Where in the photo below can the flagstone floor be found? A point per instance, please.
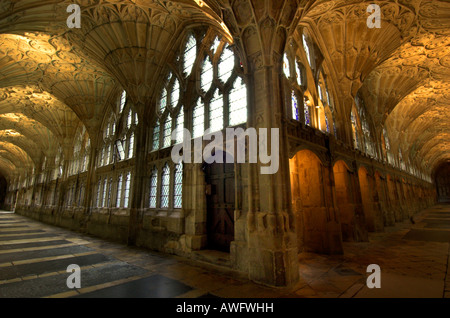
(413, 258)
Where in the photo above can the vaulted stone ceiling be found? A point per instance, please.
(54, 79)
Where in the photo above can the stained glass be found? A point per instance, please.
(327, 124)
(307, 114)
(238, 103)
(156, 136)
(165, 182)
(215, 45)
(295, 114)
(226, 64)
(216, 112)
(178, 187)
(153, 188)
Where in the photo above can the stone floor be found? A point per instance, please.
(413, 257)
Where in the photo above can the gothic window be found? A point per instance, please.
(131, 146)
(167, 133)
(238, 103)
(119, 191)
(198, 119)
(216, 112)
(226, 64)
(123, 101)
(295, 111)
(354, 130)
(307, 49)
(207, 75)
(307, 113)
(99, 186)
(153, 188)
(286, 67)
(180, 126)
(178, 186)
(126, 194)
(163, 101)
(156, 131)
(299, 74)
(190, 55)
(165, 186)
(105, 189)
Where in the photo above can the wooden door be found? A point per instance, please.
(220, 205)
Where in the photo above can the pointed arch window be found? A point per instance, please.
(226, 64)
(238, 103)
(167, 133)
(286, 66)
(216, 112)
(131, 146)
(105, 189)
(307, 50)
(198, 120)
(190, 55)
(119, 191)
(126, 195)
(123, 100)
(295, 110)
(153, 188)
(178, 186)
(207, 75)
(165, 186)
(180, 126)
(299, 74)
(307, 112)
(156, 132)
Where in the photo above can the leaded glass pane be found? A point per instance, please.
(153, 189)
(165, 183)
(216, 112)
(299, 74)
(167, 134)
(238, 103)
(119, 191)
(226, 64)
(175, 94)
(178, 187)
(306, 48)
(123, 100)
(180, 126)
(295, 114)
(156, 131)
(206, 77)
(163, 100)
(190, 55)
(126, 195)
(286, 66)
(327, 124)
(105, 188)
(307, 114)
(129, 119)
(198, 120)
(131, 146)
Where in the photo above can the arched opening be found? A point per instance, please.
(442, 180)
(317, 226)
(220, 200)
(350, 208)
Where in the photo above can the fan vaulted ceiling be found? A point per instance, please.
(54, 79)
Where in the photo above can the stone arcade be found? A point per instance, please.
(362, 115)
